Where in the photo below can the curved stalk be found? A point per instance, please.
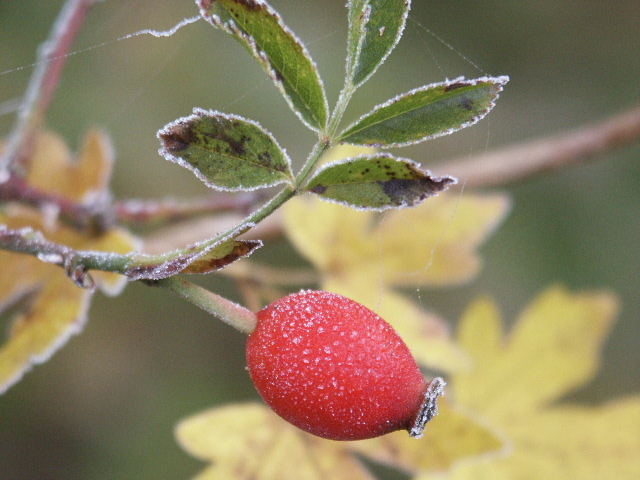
(229, 312)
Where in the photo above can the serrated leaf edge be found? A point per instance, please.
(498, 81)
(198, 113)
(232, 28)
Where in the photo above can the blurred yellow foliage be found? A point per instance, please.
(57, 307)
(251, 442)
(518, 378)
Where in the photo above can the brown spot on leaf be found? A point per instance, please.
(277, 76)
(250, 4)
(242, 248)
(205, 4)
(467, 103)
(178, 138)
(412, 191)
(455, 86)
(237, 147)
(318, 189)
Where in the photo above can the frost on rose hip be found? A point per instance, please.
(335, 369)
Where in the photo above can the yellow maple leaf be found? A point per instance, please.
(251, 442)
(432, 244)
(57, 307)
(553, 348)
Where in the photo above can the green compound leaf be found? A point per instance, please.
(259, 28)
(375, 28)
(226, 152)
(426, 112)
(376, 182)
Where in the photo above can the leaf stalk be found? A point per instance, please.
(229, 312)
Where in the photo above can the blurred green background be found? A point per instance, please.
(104, 407)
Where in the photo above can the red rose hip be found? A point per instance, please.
(335, 369)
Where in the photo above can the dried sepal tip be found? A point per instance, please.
(429, 407)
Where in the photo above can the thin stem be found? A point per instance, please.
(51, 58)
(144, 266)
(226, 310)
(93, 219)
(267, 209)
(536, 157)
(76, 263)
(311, 162)
(135, 265)
(97, 217)
(341, 106)
(324, 144)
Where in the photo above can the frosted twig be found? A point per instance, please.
(51, 58)
(93, 219)
(52, 55)
(99, 216)
(524, 160)
(75, 262)
(137, 213)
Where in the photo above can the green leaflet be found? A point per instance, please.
(375, 28)
(201, 257)
(259, 28)
(222, 255)
(376, 182)
(226, 152)
(426, 112)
